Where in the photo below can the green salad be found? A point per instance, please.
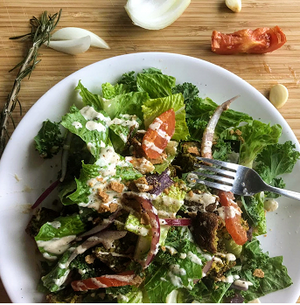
(128, 226)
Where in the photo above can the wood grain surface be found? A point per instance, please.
(189, 35)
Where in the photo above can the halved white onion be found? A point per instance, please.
(73, 47)
(70, 33)
(155, 14)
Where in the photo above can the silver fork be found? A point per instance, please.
(235, 178)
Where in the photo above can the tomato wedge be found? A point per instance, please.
(105, 281)
(260, 40)
(159, 133)
(233, 219)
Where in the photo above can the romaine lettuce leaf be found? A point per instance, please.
(89, 98)
(83, 190)
(60, 227)
(109, 91)
(155, 107)
(168, 205)
(128, 103)
(95, 136)
(155, 84)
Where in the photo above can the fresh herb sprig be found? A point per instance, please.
(40, 33)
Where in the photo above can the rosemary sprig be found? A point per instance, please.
(40, 33)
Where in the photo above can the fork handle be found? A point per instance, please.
(287, 193)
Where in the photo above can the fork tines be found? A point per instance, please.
(221, 175)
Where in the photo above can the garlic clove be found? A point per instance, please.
(234, 5)
(279, 95)
(155, 14)
(70, 33)
(73, 46)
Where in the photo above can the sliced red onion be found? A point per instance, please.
(105, 237)
(176, 222)
(155, 225)
(45, 194)
(207, 267)
(159, 182)
(208, 135)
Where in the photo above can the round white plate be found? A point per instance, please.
(23, 175)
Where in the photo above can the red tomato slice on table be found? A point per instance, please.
(159, 133)
(261, 40)
(233, 218)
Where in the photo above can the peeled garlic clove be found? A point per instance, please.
(73, 47)
(155, 14)
(278, 95)
(234, 5)
(70, 33)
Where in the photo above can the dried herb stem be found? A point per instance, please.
(40, 33)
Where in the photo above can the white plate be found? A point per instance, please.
(23, 175)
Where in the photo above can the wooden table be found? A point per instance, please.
(189, 35)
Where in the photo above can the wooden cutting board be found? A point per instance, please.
(189, 35)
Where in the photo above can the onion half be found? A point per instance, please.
(155, 14)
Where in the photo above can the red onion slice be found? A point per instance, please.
(176, 222)
(45, 194)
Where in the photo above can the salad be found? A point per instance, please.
(128, 224)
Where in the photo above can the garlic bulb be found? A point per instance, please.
(155, 14)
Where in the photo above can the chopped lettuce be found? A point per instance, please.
(83, 190)
(177, 268)
(89, 98)
(168, 205)
(155, 107)
(127, 103)
(93, 132)
(60, 227)
(253, 137)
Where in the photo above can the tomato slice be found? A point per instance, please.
(260, 40)
(159, 133)
(233, 219)
(105, 281)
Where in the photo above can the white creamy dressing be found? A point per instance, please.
(175, 280)
(194, 258)
(77, 125)
(56, 245)
(171, 250)
(203, 198)
(228, 212)
(270, 205)
(243, 284)
(62, 279)
(92, 125)
(152, 146)
(55, 224)
(142, 230)
(177, 270)
(89, 113)
(231, 278)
